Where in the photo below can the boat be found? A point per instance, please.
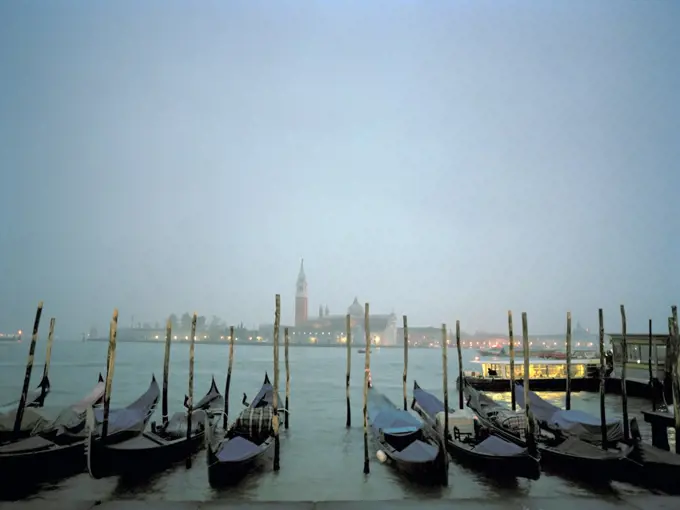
(32, 417)
(644, 463)
(545, 374)
(157, 449)
(405, 441)
(59, 451)
(471, 444)
(571, 423)
(247, 443)
(650, 466)
(571, 455)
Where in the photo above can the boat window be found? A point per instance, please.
(661, 354)
(633, 353)
(578, 370)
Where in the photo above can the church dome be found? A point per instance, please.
(355, 309)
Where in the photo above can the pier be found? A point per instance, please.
(557, 502)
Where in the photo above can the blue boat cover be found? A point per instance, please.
(494, 445)
(383, 414)
(428, 402)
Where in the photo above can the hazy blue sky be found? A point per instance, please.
(446, 160)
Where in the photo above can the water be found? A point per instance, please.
(320, 459)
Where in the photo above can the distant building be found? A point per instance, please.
(327, 329)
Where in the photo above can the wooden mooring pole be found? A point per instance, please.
(18, 419)
(348, 338)
(603, 411)
(461, 372)
(190, 407)
(111, 361)
(367, 375)
(275, 398)
(286, 341)
(675, 371)
(624, 393)
(404, 378)
(445, 382)
(652, 386)
(531, 437)
(166, 372)
(225, 421)
(568, 374)
(48, 354)
(511, 345)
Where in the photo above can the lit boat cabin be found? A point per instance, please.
(638, 355)
(538, 369)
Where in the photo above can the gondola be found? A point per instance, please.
(405, 440)
(157, 449)
(644, 464)
(35, 399)
(471, 444)
(571, 455)
(60, 451)
(247, 443)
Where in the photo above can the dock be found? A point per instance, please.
(551, 503)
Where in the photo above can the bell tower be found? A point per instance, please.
(301, 296)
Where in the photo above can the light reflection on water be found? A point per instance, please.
(320, 458)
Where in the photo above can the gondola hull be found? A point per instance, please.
(224, 470)
(524, 466)
(248, 444)
(138, 456)
(28, 462)
(157, 449)
(592, 463)
(406, 442)
(495, 455)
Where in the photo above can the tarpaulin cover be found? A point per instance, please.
(572, 423)
(494, 445)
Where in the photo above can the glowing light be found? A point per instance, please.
(20, 332)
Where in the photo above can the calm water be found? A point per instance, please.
(320, 458)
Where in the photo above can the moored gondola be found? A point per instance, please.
(157, 449)
(571, 455)
(643, 463)
(60, 450)
(32, 417)
(470, 443)
(405, 441)
(247, 443)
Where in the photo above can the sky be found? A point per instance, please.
(447, 160)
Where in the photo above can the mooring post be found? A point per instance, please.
(404, 378)
(652, 386)
(603, 411)
(111, 355)
(568, 375)
(461, 373)
(190, 408)
(675, 371)
(531, 438)
(445, 382)
(624, 392)
(511, 345)
(166, 372)
(225, 421)
(18, 419)
(348, 338)
(286, 340)
(367, 375)
(275, 399)
(48, 354)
